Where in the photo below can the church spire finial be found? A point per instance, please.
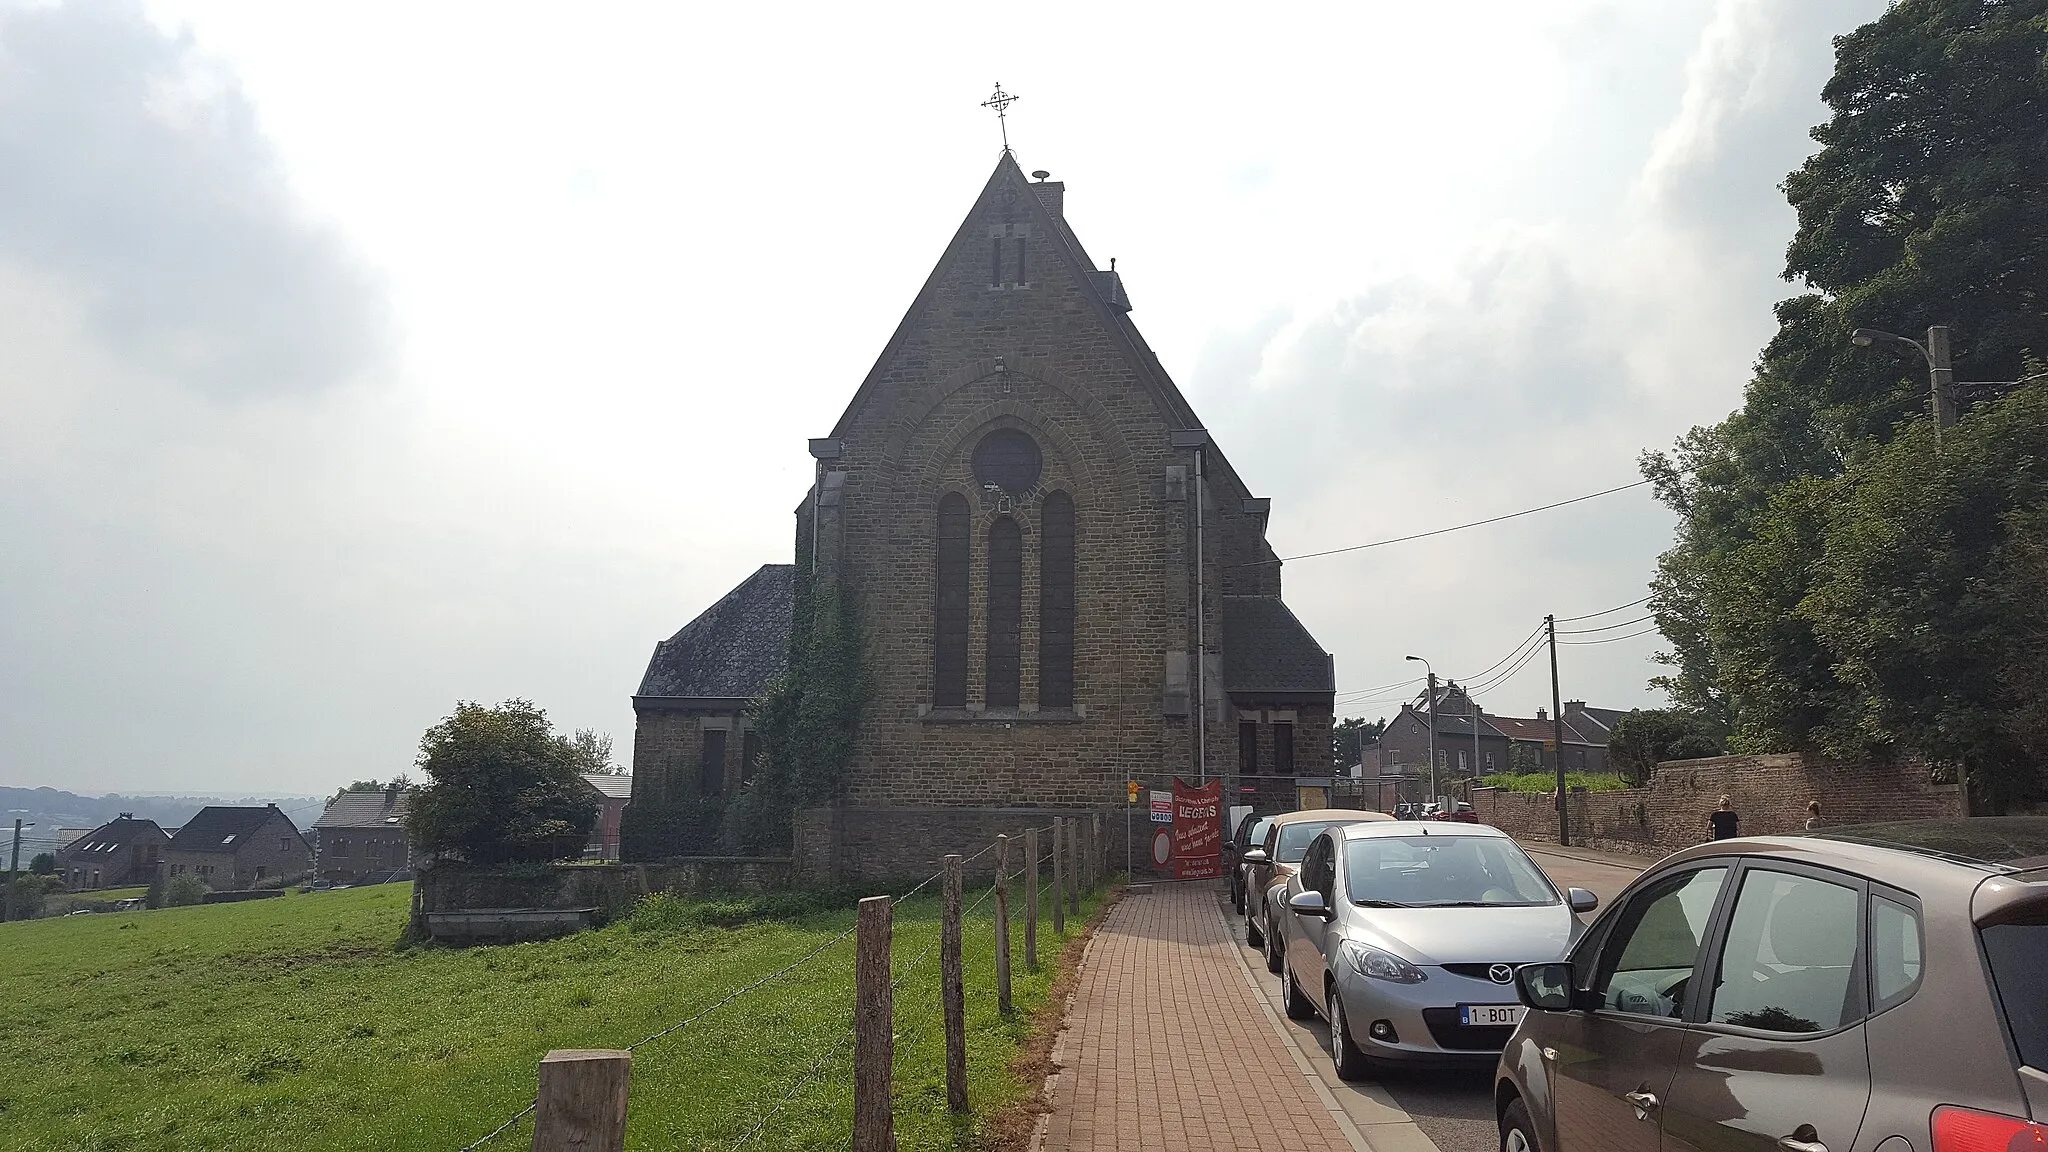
(1001, 102)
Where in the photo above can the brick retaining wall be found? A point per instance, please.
(1768, 792)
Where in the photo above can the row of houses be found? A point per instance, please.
(359, 838)
(1502, 743)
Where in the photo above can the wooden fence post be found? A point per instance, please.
(874, 1025)
(1003, 924)
(1076, 829)
(582, 1103)
(1095, 849)
(1059, 891)
(953, 990)
(1031, 899)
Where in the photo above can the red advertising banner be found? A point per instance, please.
(1197, 830)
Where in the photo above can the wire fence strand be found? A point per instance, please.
(810, 1076)
(817, 1068)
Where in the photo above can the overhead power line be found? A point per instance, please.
(1610, 639)
(1605, 627)
(1452, 528)
(1603, 612)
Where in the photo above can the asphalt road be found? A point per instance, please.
(1452, 1110)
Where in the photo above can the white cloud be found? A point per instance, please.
(357, 360)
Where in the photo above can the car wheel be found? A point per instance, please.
(1292, 997)
(1275, 958)
(1516, 1133)
(1252, 936)
(1350, 1062)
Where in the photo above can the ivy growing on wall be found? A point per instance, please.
(808, 718)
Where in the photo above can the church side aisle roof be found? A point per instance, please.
(1267, 652)
(734, 648)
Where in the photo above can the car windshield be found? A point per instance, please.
(1443, 872)
(1258, 832)
(1295, 838)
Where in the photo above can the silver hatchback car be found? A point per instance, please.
(1406, 935)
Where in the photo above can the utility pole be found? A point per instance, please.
(1475, 736)
(14, 868)
(1432, 736)
(1941, 382)
(1564, 824)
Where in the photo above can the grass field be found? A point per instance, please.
(296, 1023)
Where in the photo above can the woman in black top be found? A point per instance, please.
(1724, 821)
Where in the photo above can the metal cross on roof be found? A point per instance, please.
(1001, 102)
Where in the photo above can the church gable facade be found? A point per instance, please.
(1041, 540)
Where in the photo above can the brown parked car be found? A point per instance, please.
(1881, 988)
(1274, 860)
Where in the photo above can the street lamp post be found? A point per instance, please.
(1941, 374)
(1432, 724)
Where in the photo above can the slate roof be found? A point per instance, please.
(1267, 652)
(734, 648)
(1526, 728)
(221, 828)
(377, 809)
(111, 837)
(1603, 718)
(609, 786)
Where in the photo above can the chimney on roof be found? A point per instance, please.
(391, 794)
(1542, 714)
(1571, 706)
(1051, 193)
(127, 815)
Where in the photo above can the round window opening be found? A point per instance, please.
(1007, 459)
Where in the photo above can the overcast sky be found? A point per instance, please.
(359, 359)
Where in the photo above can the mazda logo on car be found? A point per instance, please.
(1500, 973)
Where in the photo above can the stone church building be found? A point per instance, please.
(1042, 542)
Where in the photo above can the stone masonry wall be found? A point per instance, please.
(1768, 792)
(1034, 356)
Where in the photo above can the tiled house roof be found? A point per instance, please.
(1267, 652)
(609, 786)
(734, 648)
(220, 828)
(365, 809)
(112, 837)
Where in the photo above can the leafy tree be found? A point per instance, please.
(505, 788)
(1349, 737)
(1929, 561)
(184, 890)
(43, 864)
(22, 899)
(1646, 738)
(591, 751)
(1926, 204)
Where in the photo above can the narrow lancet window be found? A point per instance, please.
(949, 634)
(1005, 611)
(1056, 604)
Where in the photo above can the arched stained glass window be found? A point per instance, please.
(949, 632)
(1005, 611)
(1056, 604)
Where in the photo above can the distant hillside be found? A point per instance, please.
(51, 808)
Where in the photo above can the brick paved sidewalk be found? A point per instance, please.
(1167, 1045)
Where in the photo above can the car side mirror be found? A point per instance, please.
(1546, 987)
(1255, 856)
(1582, 900)
(1308, 904)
